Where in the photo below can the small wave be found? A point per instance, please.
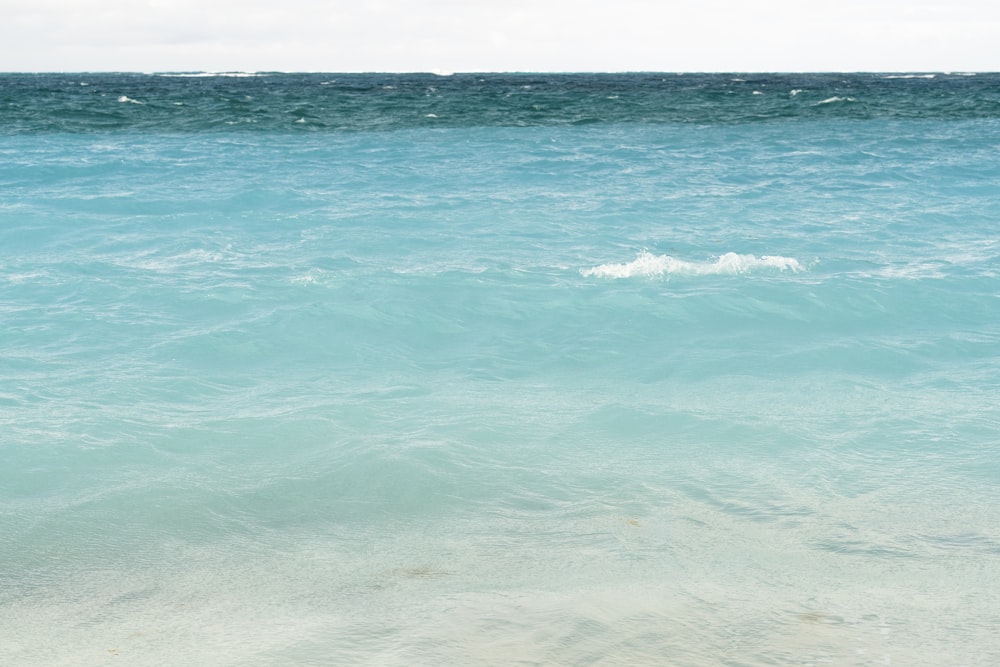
(731, 263)
(19, 278)
(831, 100)
(125, 98)
(310, 278)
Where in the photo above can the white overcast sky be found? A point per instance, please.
(499, 35)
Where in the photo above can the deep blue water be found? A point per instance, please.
(499, 369)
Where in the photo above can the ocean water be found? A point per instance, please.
(499, 370)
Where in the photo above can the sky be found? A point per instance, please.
(499, 35)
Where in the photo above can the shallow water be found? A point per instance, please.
(661, 387)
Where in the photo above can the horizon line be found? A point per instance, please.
(445, 73)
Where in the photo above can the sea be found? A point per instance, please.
(499, 369)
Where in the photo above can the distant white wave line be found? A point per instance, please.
(190, 75)
(833, 99)
(731, 263)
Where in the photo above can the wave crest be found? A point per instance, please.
(731, 263)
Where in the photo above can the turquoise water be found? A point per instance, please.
(497, 369)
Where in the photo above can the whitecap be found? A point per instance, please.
(831, 100)
(125, 98)
(794, 91)
(649, 265)
(910, 76)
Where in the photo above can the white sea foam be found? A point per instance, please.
(731, 263)
(125, 98)
(910, 76)
(312, 277)
(794, 91)
(835, 98)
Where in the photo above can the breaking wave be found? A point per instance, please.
(731, 263)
